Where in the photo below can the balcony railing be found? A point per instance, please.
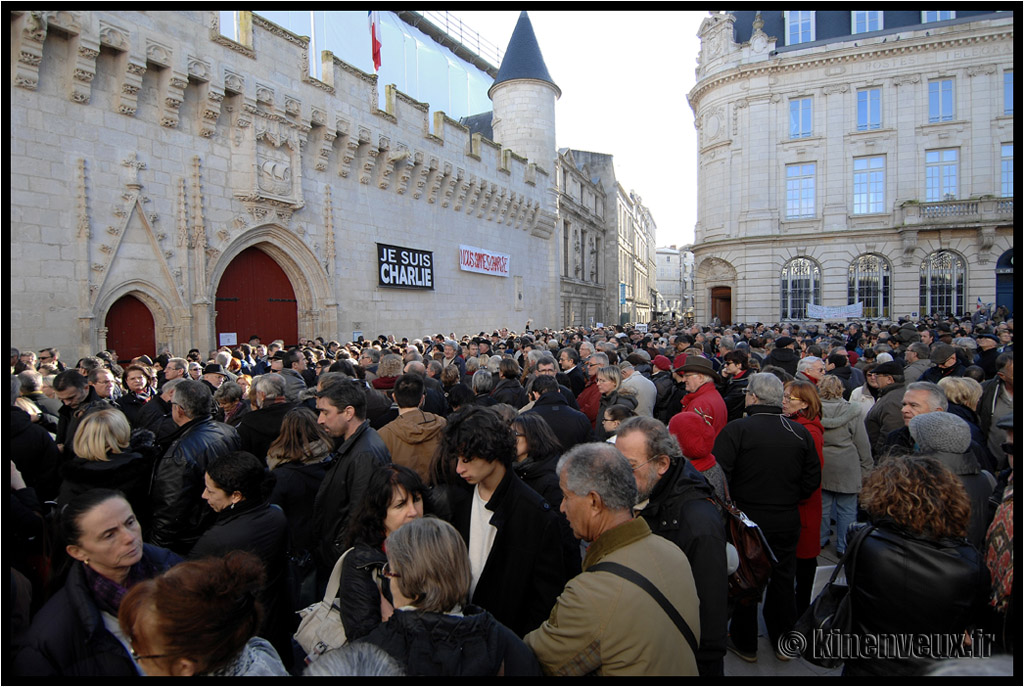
(960, 211)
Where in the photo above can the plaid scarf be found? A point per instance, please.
(999, 551)
(107, 593)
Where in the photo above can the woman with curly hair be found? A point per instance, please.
(918, 575)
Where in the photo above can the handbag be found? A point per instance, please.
(320, 627)
(829, 614)
(756, 560)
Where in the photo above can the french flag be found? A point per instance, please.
(375, 42)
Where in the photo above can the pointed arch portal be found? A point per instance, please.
(255, 296)
(131, 331)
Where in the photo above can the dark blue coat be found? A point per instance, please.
(68, 637)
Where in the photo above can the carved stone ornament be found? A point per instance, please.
(267, 162)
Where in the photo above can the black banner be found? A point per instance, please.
(404, 268)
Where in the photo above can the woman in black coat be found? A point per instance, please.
(137, 380)
(238, 488)
(915, 574)
(109, 455)
(609, 383)
(72, 634)
(394, 497)
(299, 459)
(537, 452)
(434, 630)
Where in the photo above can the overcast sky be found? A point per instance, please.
(624, 77)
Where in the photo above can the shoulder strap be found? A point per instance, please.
(648, 586)
(334, 582)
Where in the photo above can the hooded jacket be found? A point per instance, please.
(441, 644)
(847, 450)
(785, 358)
(885, 416)
(412, 439)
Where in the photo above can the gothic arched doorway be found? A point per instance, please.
(255, 296)
(131, 331)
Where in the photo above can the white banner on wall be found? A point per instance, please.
(483, 261)
(835, 312)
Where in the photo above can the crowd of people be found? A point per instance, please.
(542, 502)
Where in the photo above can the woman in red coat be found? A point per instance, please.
(800, 403)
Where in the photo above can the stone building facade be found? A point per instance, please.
(853, 158)
(154, 160)
(583, 242)
(628, 257)
(675, 281)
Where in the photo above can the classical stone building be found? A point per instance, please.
(583, 237)
(675, 280)
(173, 187)
(854, 159)
(628, 256)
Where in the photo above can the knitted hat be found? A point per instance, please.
(662, 363)
(940, 431)
(695, 436)
(784, 341)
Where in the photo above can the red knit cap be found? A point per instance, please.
(695, 436)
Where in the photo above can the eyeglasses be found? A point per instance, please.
(387, 572)
(637, 467)
(793, 398)
(147, 657)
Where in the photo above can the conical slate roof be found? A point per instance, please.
(523, 59)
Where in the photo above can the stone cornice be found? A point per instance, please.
(790, 63)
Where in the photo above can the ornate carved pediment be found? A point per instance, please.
(268, 163)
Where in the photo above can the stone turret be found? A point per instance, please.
(524, 97)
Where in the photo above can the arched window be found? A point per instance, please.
(943, 284)
(870, 282)
(800, 285)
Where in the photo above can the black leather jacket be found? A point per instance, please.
(180, 515)
(906, 584)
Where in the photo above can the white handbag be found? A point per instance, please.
(321, 629)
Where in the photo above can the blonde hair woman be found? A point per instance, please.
(109, 456)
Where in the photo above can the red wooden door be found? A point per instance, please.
(255, 296)
(130, 329)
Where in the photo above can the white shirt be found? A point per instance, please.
(481, 537)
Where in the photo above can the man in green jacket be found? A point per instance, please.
(604, 623)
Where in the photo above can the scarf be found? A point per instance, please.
(999, 551)
(107, 593)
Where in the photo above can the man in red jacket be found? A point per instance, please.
(703, 398)
(589, 400)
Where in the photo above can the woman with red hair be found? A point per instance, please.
(800, 402)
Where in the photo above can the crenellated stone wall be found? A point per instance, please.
(148, 151)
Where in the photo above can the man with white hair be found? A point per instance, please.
(642, 389)
(810, 369)
(452, 357)
(634, 610)
(258, 428)
(771, 464)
